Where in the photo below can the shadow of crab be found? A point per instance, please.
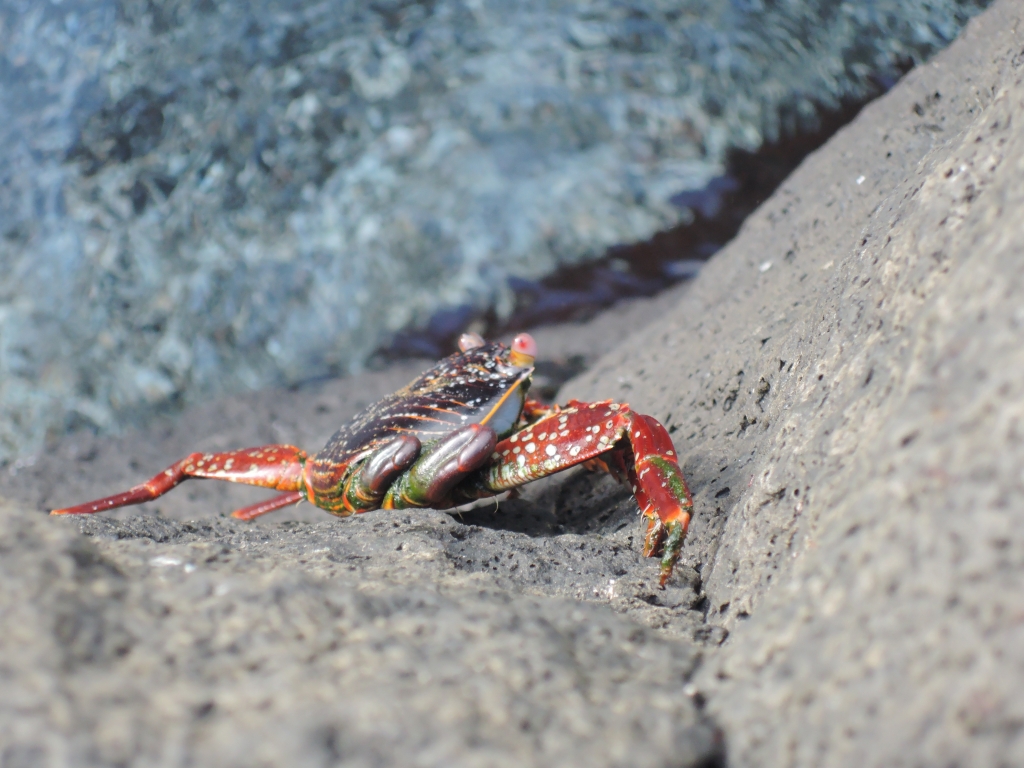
(576, 534)
(575, 502)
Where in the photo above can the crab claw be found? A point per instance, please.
(432, 477)
(366, 487)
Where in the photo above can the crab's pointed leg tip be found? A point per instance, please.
(666, 574)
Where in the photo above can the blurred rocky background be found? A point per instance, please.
(199, 198)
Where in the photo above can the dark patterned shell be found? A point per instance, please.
(465, 388)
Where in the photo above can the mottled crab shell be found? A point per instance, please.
(479, 386)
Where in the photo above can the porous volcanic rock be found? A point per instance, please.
(217, 644)
(843, 383)
(203, 198)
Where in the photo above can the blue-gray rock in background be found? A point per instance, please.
(198, 197)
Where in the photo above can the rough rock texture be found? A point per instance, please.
(844, 385)
(846, 382)
(202, 198)
(193, 645)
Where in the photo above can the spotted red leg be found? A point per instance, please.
(268, 466)
(270, 505)
(618, 439)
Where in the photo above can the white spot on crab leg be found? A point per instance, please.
(551, 450)
(531, 447)
(574, 450)
(521, 460)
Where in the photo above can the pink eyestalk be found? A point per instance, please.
(468, 341)
(524, 351)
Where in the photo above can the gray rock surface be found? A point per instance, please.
(192, 645)
(843, 383)
(202, 198)
(846, 383)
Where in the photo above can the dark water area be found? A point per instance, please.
(578, 292)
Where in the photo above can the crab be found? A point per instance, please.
(463, 430)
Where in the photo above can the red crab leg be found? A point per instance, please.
(582, 432)
(535, 409)
(270, 505)
(268, 466)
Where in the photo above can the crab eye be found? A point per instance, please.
(468, 341)
(524, 350)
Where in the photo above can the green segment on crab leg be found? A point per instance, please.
(676, 532)
(441, 466)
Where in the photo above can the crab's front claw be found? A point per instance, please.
(431, 478)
